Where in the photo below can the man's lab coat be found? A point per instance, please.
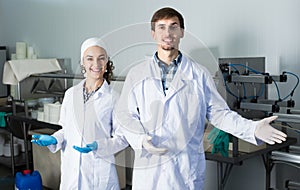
(175, 121)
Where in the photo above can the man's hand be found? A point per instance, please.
(147, 144)
(265, 132)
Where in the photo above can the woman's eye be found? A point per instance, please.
(101, 58)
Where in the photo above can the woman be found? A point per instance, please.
(87, 148)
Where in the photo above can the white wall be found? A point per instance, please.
(56, 28)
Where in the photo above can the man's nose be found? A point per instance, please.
(167, 31)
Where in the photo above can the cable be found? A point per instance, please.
(275, 83)
(277, 89)
(244, 87)
(292, 92)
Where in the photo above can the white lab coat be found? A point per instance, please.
(82, 124)
(176, 122)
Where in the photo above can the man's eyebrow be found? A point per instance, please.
(161, 24)
(174, 23)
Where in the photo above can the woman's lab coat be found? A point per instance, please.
(176, 122)
(82, 124)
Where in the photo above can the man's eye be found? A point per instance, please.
(161, 27)
(174, 27)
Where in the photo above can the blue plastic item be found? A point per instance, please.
(2, 118)
(28, 180)
(220, 141)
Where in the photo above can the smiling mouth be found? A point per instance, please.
(97, 70)
(167, 41)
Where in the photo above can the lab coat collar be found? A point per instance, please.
(103, 89)
(78, 100)
(176, 61)
(182, 76)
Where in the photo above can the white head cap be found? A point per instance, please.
(92, 42)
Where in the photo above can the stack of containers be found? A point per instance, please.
(23, 52)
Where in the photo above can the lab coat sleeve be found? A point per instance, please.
(220, 115)
(127, 116)
(59, 135)
(110, 146)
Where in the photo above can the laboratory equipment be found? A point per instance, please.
(248, 86)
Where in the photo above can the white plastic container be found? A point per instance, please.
(7, 152)
(54, 112)
(21, 48)
(40, 116)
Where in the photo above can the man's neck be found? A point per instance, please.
(167, 56)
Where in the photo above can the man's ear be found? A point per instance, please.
(182, 32)
(153, 34)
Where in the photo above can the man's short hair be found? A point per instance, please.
(166, 13)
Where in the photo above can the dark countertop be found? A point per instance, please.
(6, 108)
(34, 122)
(237, 160)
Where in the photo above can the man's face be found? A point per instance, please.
(167, 33)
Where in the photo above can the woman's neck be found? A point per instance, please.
(92, 85)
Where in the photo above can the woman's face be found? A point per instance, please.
(94, 62)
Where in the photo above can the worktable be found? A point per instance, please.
(237, 158)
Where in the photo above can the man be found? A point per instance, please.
(163, 107)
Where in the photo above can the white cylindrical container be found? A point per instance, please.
(40, 116)
(30, 52)
(46, 112)
(7, 152)
(21, 48)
